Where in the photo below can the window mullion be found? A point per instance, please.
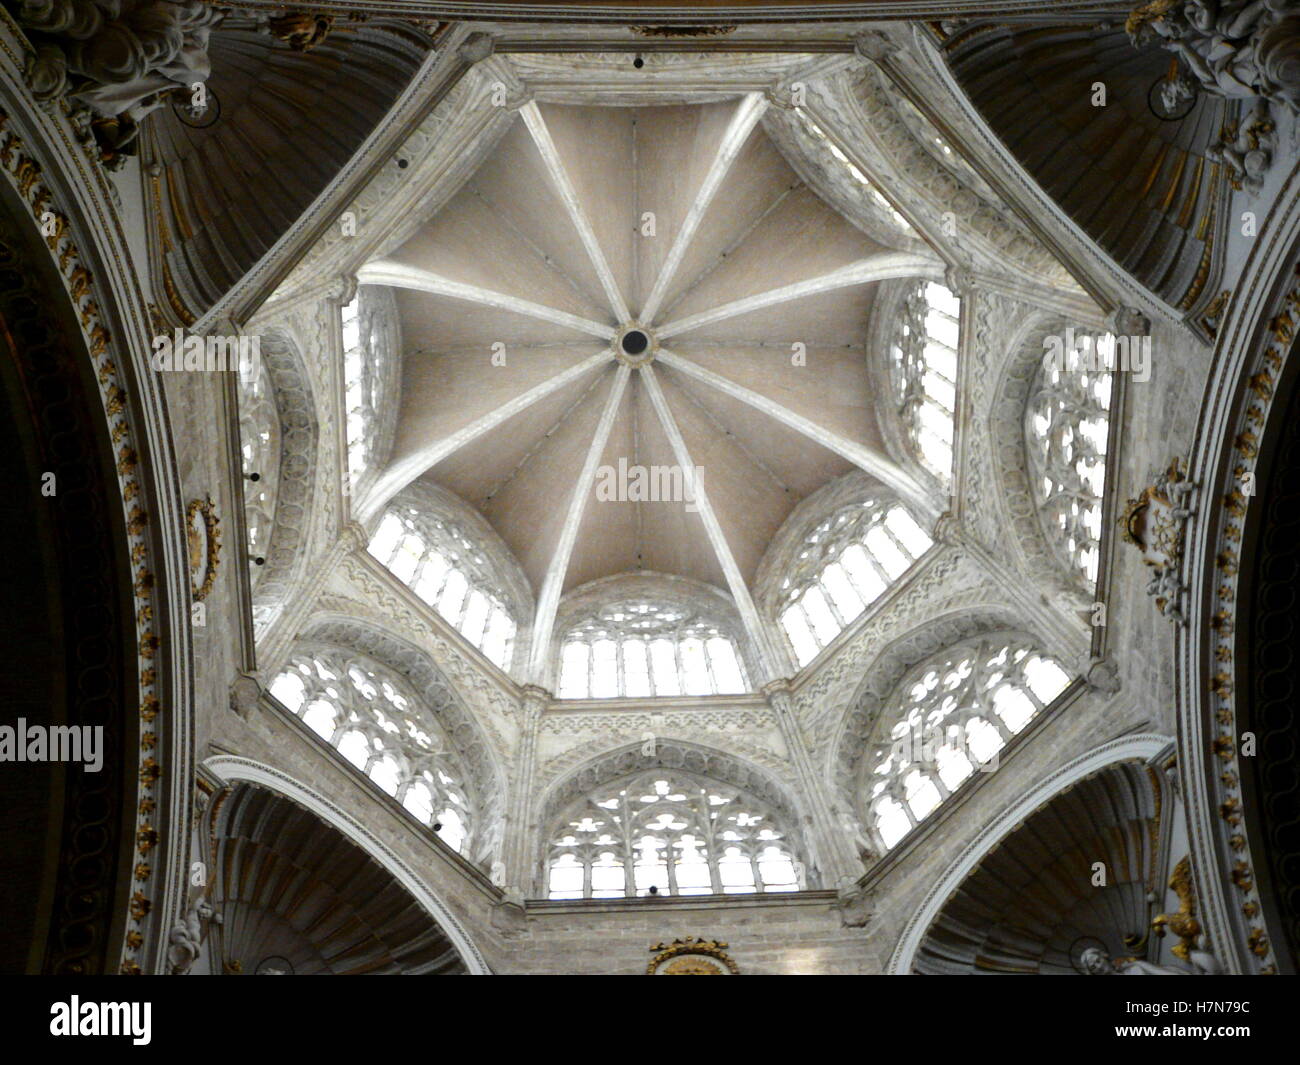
(670, 862)
(708, 667)
(830, 603)
(853, 581)
(711, 847)
(875, 564)
(629, 856)
(902, 547)
(808, 625)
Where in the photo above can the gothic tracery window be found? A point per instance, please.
(376, 723)
(640, 648)
(845, 564)
(368, 361)
(444, 566)
(923, 357)
(1066, 421)
(953, 715)
(671, 831)
(259, 445)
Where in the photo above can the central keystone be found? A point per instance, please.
(634, 342)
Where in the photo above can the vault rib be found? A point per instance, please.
(742, 124)
(564, 188)
(548, 600)
(772, 662)
(399, 275)
(864, 458)
(881, 267)
(398, 475)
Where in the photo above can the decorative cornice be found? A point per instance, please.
(1209, 712)
(135, 487)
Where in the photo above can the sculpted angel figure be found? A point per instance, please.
(1096, 962)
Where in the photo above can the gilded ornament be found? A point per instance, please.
(1183, 921)
(691, 957)
(203, 537)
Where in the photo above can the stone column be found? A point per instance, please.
(517, 839)
(836, 857)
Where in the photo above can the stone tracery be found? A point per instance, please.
(456, 570)
(948, 719)
(975, 573)
(1066, 423)
(668, 832)
(377, 724)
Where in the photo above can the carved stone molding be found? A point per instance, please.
(151, 584)
(1156, 524)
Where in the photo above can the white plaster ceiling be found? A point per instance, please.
(542, 251)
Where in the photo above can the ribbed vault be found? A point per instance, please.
(291, 889)
(526, 393)
(1032, 904)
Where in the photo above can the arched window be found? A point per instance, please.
(638, 647)
(923, 357)
(845, 564)
(1066, 422)
(672, 832)
(259, 445)
(952, 715)
(366, 712)
(435, 557)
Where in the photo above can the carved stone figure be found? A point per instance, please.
(861, 844)
(301, 32)
(856, 907)
(1102, 676)
(186, 937)
(1233, 48)
(1096, 962)
(119, 58)
(245, 693)
(1245, 149)
(1156, 523)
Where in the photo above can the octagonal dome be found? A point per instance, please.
(649, 308)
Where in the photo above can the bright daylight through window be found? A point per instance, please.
(669, 834)
(366, 712)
